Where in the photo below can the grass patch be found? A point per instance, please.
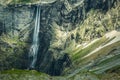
(103, 62)
(108, 40)
(23, 75)
(88, 49)
(22, 1)
(21, 72)
(103, 51)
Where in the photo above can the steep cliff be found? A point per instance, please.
(67, 27)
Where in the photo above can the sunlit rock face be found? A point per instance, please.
(63, 23)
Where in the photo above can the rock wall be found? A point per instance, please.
(64, 23)
(16, 27)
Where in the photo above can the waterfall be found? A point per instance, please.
(35, 43)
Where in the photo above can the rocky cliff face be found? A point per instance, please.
(15, 32)
(65, 24)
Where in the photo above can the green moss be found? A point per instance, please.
(109, 76)
(105, 61)
(102, 52)
(13, 52)
(23, 75)
(11, 41)
(21, 72)
(88, 49)
(108, 40)
(23, 1)
(83, 75)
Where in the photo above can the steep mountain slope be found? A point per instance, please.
(99, 55)
(78, 39)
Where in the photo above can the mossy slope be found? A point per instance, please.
(100, 56)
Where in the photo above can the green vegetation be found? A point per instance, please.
(99, 60)
(23, 1)
(34, 75)
(107, 60)
(23, 75)
(88, 49)
(102, 52)
(20, 72)
(12, 40)
(12, 51)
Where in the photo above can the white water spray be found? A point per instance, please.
(35, 44)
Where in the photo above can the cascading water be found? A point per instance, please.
(35, 44)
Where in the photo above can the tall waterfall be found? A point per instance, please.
(35, 43)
